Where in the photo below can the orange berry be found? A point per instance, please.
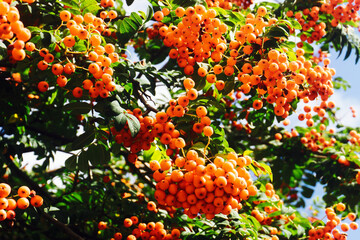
(23, 203)
(77, 92)
(4, 203)
(5, 190)
(102, 225)
(24, 191)
(208, 131)
(65, 15)
(128, 222)
(201, 111)
(36, 201)
(43, 86)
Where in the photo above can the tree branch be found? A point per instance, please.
(62, 226)
(137, 94)
(21, 174)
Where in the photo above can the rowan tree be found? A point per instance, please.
(217, 159)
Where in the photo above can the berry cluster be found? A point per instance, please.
(341, 13)
(8, 205)
(202, 186)
(228, 4)
(147, 230)
(82, 31)
(309, 20)
(330, 231)
(11, 26)
(151, 128)
(278, 80)
(316, 141)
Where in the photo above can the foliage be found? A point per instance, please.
(191, 140)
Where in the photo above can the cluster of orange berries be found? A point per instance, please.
(8, 205)
(354, 137)
(153, 32)
(159, 127)
(353, 112)
(330, 231)
(150, 230)
(203, 188)
(316, 141)
(309, 20)
(88, 28)
(340, 12)
(321, 57)
(11, 26)
(197, 37)
(319, 110)
(282, 80)
(228, 4)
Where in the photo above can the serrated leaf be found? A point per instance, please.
(149, 13)
(247, 152)
(135, 17)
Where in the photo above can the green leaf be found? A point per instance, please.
(150, 14)
(3, 50)
(129, 26)
(98, 154)
(91, 6)
(83, 162)
(120, 121)
(71, 163)
(71, 3)
(133, 123)
(78, 107)
(188, 3)
(83, 140)
(277, 31)
(129, 2)
(113, 109)
(307, 192)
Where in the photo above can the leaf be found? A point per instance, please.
(83, 162)
(277, 31)
(307, 192)
(47, 38)
(71, 163)
(98, 154)
(198, 146)
(133, 123)
(188, 3)
(129, 2)
(113, 109)
(129, 26)
(3, 50)
(120, 121)
(89, 6)
(150, 14)
(83, 140)
(72, 4)
(78, 107)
